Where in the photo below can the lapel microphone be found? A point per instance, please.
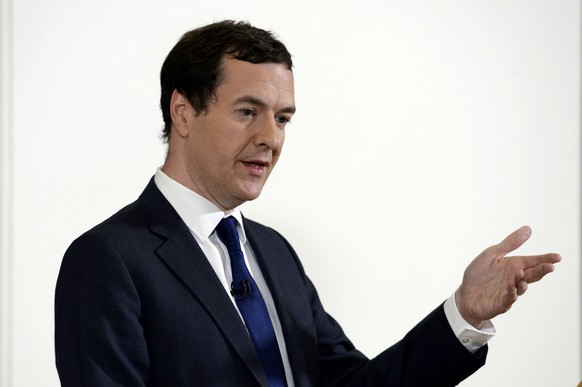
(243, 291)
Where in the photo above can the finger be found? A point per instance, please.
(521, 288)
(510, 297)
(512, 241)
(537, 273)
(531, 261)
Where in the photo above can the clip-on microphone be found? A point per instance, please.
(241, 293)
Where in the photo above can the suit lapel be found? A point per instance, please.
(286, 286)
(183, 256)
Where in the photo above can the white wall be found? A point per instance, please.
(425, 132)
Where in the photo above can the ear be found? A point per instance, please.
(181, 112)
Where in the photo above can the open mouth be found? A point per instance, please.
(256, 167)
(256, 164)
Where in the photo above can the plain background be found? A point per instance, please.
(426, 131)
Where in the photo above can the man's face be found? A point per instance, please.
(231, 149)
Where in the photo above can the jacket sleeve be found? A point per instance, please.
(429, 355)
(99, 340)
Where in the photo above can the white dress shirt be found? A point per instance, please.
(202, 216)
(471, 337)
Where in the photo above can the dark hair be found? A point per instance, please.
(194, 66)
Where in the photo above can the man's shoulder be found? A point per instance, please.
(249, 223)
(125, 224)
(128, 219)
(258, 233)
(124, 217)
(259, 229)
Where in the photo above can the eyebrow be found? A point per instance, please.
(257, 102)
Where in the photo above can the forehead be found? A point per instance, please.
(272, 81)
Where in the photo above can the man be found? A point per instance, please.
(178, 288)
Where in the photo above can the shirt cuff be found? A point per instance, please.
(472, 338)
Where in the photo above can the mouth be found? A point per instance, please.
(256, 167)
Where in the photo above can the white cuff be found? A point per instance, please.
(471, 337)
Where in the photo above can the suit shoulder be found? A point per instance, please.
(256, 225)
(259, 233)
(260, 230)
(123, 233)
(127, 218)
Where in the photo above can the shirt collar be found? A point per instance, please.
(200, 214)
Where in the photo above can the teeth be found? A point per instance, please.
(256, 164)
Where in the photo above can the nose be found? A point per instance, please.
(269, 134)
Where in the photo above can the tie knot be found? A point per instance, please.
(226, 231)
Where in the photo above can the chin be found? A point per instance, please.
(247, 191)
(250, 195)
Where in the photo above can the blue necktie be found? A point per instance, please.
(252, 306)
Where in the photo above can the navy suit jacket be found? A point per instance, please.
(138, 304)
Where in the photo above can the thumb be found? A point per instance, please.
(512, 241)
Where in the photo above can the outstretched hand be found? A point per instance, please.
(492, 282)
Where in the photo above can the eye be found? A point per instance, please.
(282, 121)
(247, 112)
